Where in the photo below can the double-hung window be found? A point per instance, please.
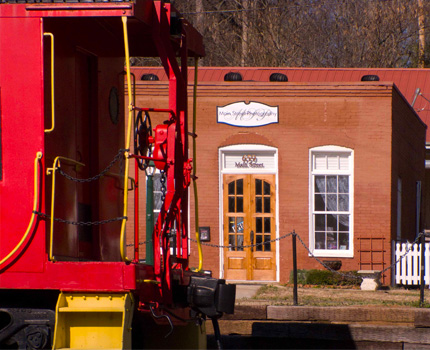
(331, 201)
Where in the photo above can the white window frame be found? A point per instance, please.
(330, 149)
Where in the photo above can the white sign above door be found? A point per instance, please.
(247, 114)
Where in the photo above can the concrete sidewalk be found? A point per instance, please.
(247, 291)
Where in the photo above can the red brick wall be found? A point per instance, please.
(357, 116)
(408, 153)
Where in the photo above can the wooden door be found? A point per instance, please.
(249, 226)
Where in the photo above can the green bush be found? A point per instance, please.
(326, 278)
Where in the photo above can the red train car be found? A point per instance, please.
(65, 278)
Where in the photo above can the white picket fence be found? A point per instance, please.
(408, 268)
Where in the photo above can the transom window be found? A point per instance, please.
(331, 201)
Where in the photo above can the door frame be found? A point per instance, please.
(270, 169)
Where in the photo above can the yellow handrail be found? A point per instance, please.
(196, 199)
(52, 170)
(128, 137)
(33, 214)
(52, 83)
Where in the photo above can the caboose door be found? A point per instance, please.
(249, 227)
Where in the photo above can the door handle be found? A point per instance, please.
(252, 240)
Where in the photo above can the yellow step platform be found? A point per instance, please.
(93, 321)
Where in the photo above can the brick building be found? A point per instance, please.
(337, 160)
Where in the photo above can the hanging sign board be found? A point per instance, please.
(247, 114)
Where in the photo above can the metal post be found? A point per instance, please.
(149, 214)
(295, 299)
(422, 241)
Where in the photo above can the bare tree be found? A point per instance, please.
(324, 33)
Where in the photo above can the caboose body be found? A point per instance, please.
(65, 149)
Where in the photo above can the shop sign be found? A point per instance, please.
(249, 161)
(247, 114)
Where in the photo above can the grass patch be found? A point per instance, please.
(267, 289)
(326, 278)
(332, 295)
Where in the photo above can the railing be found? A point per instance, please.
(408, 268)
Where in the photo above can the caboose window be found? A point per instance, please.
(331, 201)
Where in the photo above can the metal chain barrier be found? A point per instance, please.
(406, 253)
(359, 277)
(310, 253)
(110, 165)
(140, 243)
(347, 275)
(243, 246)
(80, 223)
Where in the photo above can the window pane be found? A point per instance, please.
(344, 223)
(320, 222)
(319, 184)
(231, 208)
(331, 222)
(239, 205)
(259, 225)
(320, 162)
(157, 201)
(239, 186)
(240, 243)
(267, 225)
(258, 205)
(343, 202)
(331, 202)
(344, 162)
(240, 225)
(258, 185)
(331, 240)
(343, 240)
(267, 204)
(319, 240)
(231, 187)
(320, 202)
(259, 240)
(231, 225)
(266, 188)
(331, 184)
(156, 182)
(267, 245)
(343, 184)
(333, 162)
(231, 242)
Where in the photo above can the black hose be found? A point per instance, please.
(217, 333)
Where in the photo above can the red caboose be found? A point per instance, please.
(65, 277)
